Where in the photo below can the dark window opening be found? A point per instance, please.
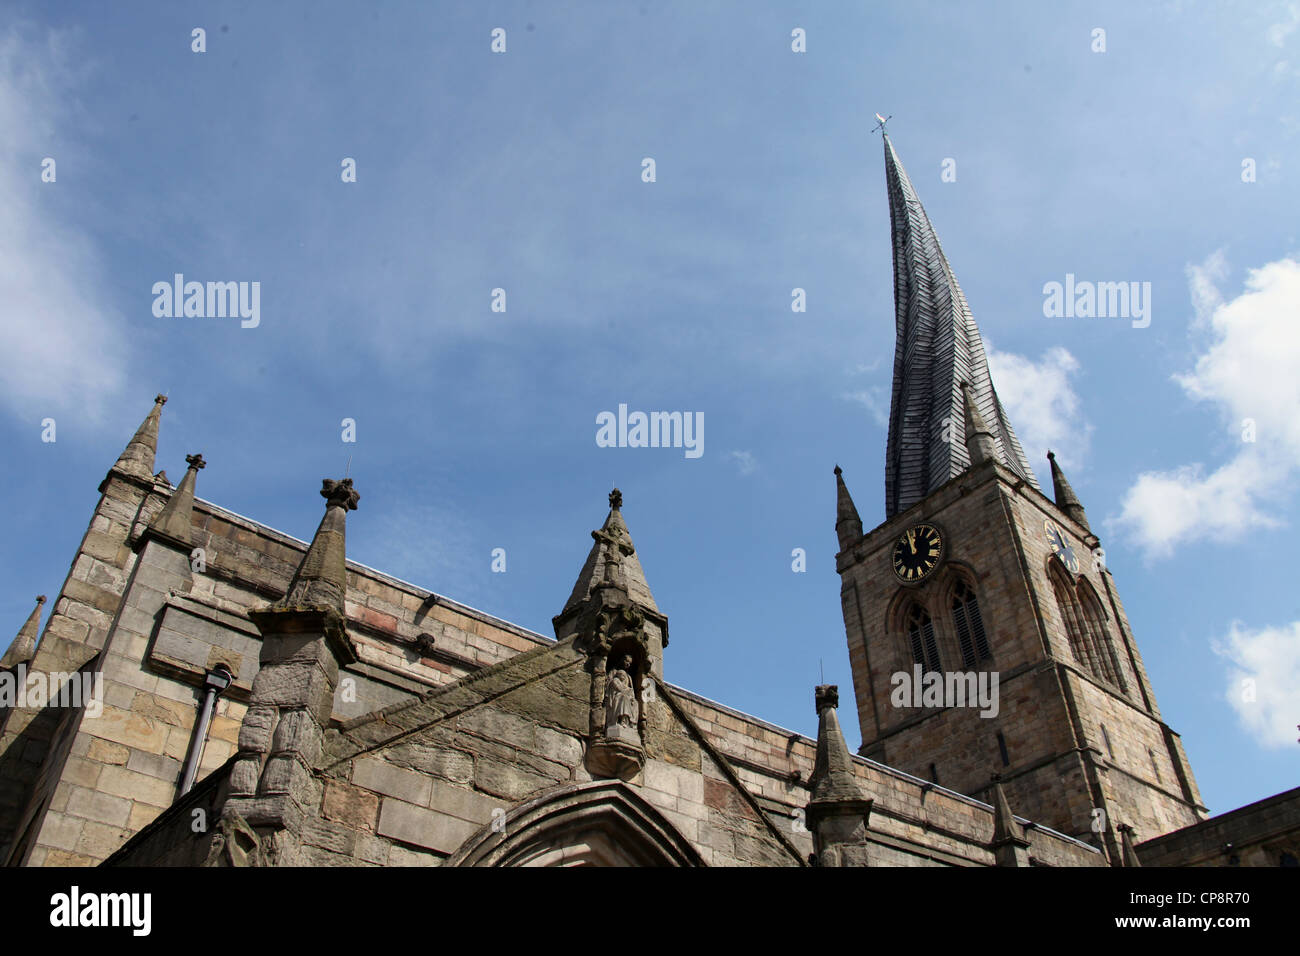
(970, 626)
(920, 635)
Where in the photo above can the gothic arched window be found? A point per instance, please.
(1098, 636)
(969, 625)
(1085, 627)
(1070, 615)
(920, 636)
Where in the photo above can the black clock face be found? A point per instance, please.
(1060, 546)
(917, 552)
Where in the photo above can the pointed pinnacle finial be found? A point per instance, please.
(832, 777)
(137, 459)
(1064, 495)
(848, 524)
(23, 649)
(322, 578)
(616, 499)
(339, 494)
(1005, 827)
(176, 517)
(979, 440)
(1127, 849)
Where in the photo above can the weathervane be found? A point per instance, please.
(883, 120)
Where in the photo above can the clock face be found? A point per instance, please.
(1060, 546)
(917, 552)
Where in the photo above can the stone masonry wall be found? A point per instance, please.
(996, 542)
(173, 625)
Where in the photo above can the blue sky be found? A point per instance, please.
(522, 171)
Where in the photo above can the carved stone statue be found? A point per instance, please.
(620, 702)
(616, 547)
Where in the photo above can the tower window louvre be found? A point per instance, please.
(1106, 664)
(970, 626)
(920, 635)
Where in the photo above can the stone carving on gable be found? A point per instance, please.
(617, 650)
(235, 843)
(621, 711)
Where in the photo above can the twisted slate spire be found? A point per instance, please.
(937, 347)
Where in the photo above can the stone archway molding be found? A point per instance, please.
(601, 823)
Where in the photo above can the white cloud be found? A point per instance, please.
(875, 400)
(62, 347)
(744, 461)
(1278, 32)
(1264, 681)
(1042, 405)
(1248, 371)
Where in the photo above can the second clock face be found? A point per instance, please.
(917, 552)
(1060, 545)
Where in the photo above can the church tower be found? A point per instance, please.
(986, 636)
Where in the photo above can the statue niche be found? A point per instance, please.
(618, 721)
(622, 711)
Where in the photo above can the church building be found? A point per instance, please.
(258, 700)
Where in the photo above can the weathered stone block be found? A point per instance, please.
(255, 731)
(507, 780)
(562, 748)
(123, 727)
(122, 782)
(376, 774)
(403, 856)
(429, 757)
(104, 751)
(463, 803)
(350, 806)
(421, 827)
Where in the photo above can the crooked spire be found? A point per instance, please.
(137, 459)
(322, 578)
(612, 561)
(23, 649)
(937, 347)
(848, 526)
(176, 517)
(1065, 497)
